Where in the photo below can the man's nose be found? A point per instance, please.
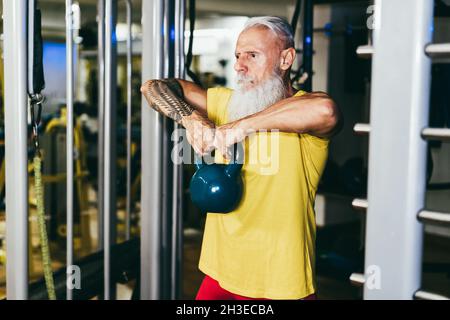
(240, 66)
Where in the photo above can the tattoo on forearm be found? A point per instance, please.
(166, 96)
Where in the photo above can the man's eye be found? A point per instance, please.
(237, 57)
(253, 55)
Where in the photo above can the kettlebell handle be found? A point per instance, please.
(233, 167)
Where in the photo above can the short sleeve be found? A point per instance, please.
(314, 153)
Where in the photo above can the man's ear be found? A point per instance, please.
(287, 58)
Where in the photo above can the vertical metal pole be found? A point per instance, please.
(177, 184)
(129, 75)
(107, 151)
(166, 219)
(30, 39)
(151, 124)
(397, 154)
(69, 138)
(308, 25)
(15, 62)
(180, 227)
(109, 195)
(101, 120)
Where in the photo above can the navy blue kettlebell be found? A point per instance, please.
(216, 187)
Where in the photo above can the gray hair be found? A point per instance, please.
(279, 26)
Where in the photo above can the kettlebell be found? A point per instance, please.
(217, 188)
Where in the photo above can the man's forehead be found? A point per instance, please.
(258, 37)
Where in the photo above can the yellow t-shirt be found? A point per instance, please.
(266, 247)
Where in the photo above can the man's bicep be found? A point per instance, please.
(194, 95)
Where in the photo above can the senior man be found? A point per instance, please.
(264, 249)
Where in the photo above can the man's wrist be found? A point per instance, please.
(194, 116)
(247, 125)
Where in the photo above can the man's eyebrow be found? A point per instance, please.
(250, 51)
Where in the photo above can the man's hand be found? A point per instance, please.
(200, 132)
(229, 134)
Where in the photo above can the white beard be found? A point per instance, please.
(246, 102)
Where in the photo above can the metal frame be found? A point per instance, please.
(360, 204)
(69, 138)
(436, 134)
(16, 194)
(424, 295)
(308, 52)
(397, 154)
(101, 120)
(434, 217)
(151, 123)
(167, 165)
(438, 50)
(365, 51)
(129, 113)
(109, 195)
(177, 200)
(362, 128)
(161, 197)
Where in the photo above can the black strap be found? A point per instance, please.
(294, 21)
(37, 82)
(38, 65)
(298, 6)
(190, 73)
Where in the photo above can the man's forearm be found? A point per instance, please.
(315, 113)
(166, 97)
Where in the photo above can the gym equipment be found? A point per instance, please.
(217, 188)
(392, 218)
(123, 270)
(191, 73)
(36, 84)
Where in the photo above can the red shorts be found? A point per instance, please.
(211, 290)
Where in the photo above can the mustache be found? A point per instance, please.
(243, 79)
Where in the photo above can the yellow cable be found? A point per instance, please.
(46, 261)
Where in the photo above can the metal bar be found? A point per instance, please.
(151, 123)
(362, 128)
(396, 188)
(365, 52)
(16, 197)
(109, 144)
(360, 204)
(30, 47)
(101, 121)
(129, 75)
(308, 24)
(177, 234)
(438, 50)
(179, 231)
(424, 295)
(167, 168)
(357, 279)
(434, 216)
(436, 134)
(69, 138)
